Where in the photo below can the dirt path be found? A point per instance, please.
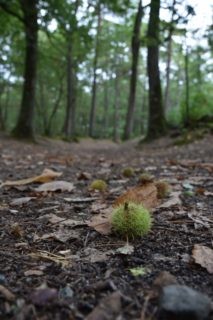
(32, 244)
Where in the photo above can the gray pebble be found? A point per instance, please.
(183, 303)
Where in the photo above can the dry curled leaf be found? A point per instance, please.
(62, 235)
(145, 194)
(174, 200)
(33, 272)
(102, 222)
(16, 230)
(54, 219)
(6, 293)
(46, 176)
(108, 308)
(55, 186)
(203, 256)
(21, 201)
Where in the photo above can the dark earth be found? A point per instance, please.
(72, 290)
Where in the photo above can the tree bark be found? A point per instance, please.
(134, 70)
(116, 109)
(69, 124)
(94, 84)
(169, 56)
(156, 123)
(106, 109)
(24, 127)
(186, 69)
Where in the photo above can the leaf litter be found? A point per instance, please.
(68, 250)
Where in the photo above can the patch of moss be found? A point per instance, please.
(128, 172)
(131, 220)
(99, 185)
(163, 188)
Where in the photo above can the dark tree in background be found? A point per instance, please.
(156, 122)
(169, 57)
(24, 127)
(95, 65)
(134, 68)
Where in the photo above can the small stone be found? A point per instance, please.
(3, 279)
(183, 303)
(65, 293)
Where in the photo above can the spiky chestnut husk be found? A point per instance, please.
(99, 185)
(128, 172)
(146, 177)
(131, 220)
(163, 188)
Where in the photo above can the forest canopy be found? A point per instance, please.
(104, 69)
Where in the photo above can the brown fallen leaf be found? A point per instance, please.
(16, 230)
(80, 200)
(195, 163)
(54, 219)
(108, 308)
(21, 201)
(126, 249)
(33, 272)
(6, 293)
(163, 279)
(55, 186)
(174, 200)
(94, 255)
(84, 176)
(102, 222)
(145, 194)
(98, 206)
(203, 256)
(62, 235)
(45, 176)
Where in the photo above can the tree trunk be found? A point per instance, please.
(106, 109)
(186, 120)
(168, 62)
(134, 69)
(156, 123)
(69, 124)
(24, 127)
(55, 109)
(94, 84)
(116, 109)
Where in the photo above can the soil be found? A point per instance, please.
(168, 247)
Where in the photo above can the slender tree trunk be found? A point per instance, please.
(24, 127)
(187, 87)
(116, 109)
(41, 106)
(106, 109)
(69, 124)
(134, 70)
(2, 122)
(94, 84)
(55, 109)
(168, 63)
(156, 123)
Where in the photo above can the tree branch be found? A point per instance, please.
(7, 9)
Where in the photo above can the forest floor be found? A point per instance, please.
(53, 265)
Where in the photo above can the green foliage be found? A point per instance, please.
(131, 220)
(114, 61)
